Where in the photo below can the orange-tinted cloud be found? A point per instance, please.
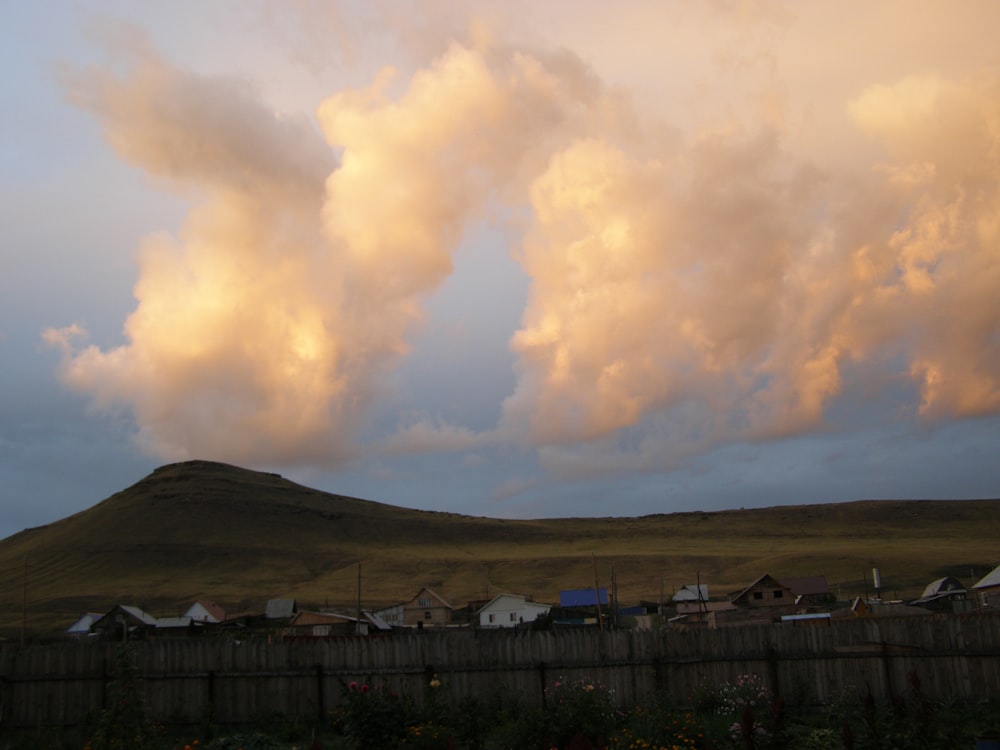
(704, 284)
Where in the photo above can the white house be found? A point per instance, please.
(508, 610)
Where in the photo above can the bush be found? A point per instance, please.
(581, 711)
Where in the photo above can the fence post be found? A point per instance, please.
(772, 670)
(541, 681)
(886, 669)
(210, 708)
(320, 696)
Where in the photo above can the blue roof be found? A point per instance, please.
(581, 597)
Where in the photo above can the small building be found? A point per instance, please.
(202, 611)
(427, 609)
(124, 622)
(311, 625)
(862, 608)
(988, 590)
(943, 595)
(81, 628)
(510, 610)
(810, 591)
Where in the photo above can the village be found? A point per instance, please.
(768, 599)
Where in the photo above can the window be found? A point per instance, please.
(513, 616)
(423, 602)
(777, 594)
(758, 594)
(493, 618)
(427, 615)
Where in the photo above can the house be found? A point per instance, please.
(766, 591)
(508, 610)
(124, 622)
(943, 595)
(81, 628)
(202, 611)
(988, 589)
(427, 609)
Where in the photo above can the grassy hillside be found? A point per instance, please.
(206, 530)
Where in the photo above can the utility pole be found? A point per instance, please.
(597, 593)
(613, 618)
(24, 603)
(359, 598)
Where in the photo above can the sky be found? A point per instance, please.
(507, 259)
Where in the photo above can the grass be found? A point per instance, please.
(205, 530)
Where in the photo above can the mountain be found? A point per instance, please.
(200, 529)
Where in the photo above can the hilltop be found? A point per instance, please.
(200, 529)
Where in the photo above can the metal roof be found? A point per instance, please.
(691, 592)
(582, 597)
(144, 617)
(990, 579)
(278, 609)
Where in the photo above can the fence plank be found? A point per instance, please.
(231, 681)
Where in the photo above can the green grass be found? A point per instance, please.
(205, 530)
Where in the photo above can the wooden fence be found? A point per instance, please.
(231, 681)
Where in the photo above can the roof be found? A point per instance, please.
(320, 618)
(519, 599)
(807, 586)
(943, 586)
(144, 617)
(278, 609)
(83, 624)
(694, 608)
(173, 622)
(990, 579)
(444, 602)
(376, 621)
(582, 597)
(215, 612)
(689, 592)
(764, 578)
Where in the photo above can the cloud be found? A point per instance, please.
(426, 434)
(687, 288)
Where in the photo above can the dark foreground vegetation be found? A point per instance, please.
(580, 714)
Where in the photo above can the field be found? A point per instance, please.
(201, 530)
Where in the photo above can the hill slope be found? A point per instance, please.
(207, 530)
